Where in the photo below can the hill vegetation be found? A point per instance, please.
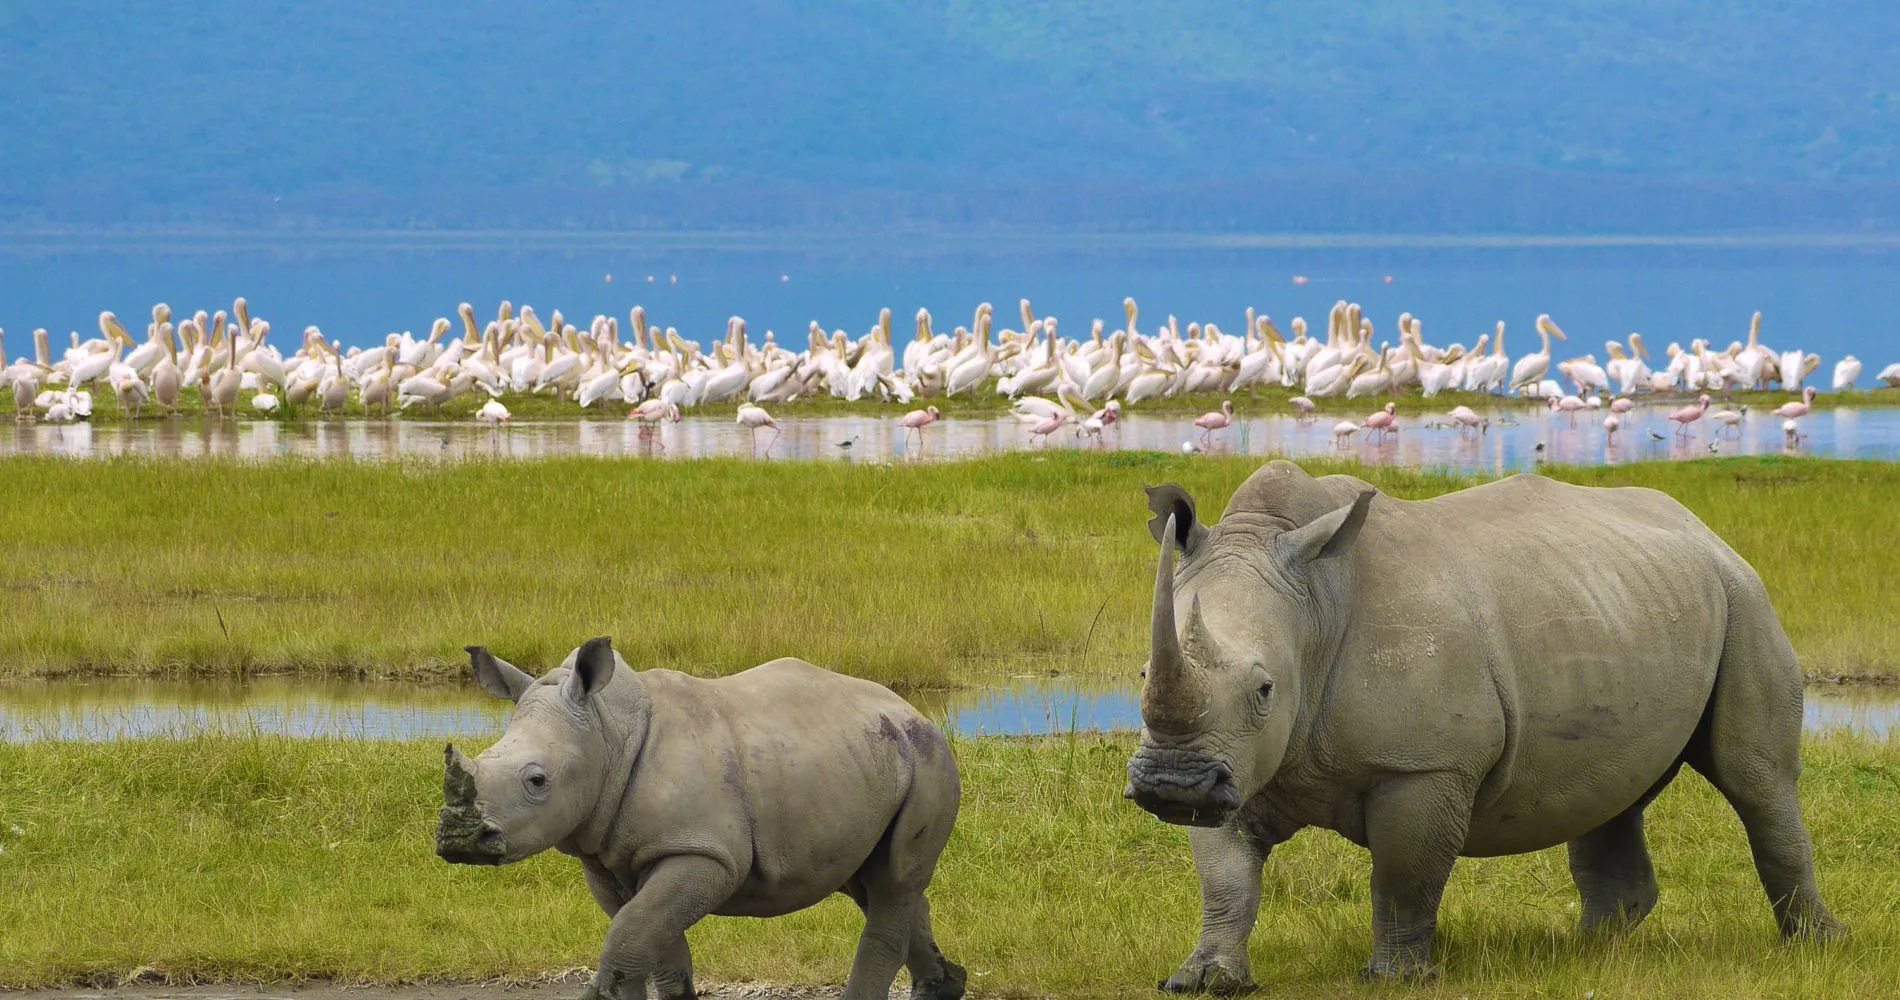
(1427, 114)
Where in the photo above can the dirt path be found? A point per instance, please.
(426, 991)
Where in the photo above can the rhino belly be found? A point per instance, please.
(1584, 754)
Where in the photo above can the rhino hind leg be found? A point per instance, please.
(1614, 877)
(1749, 747)
(932, 976)
(889, 889)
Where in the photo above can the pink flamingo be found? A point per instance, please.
(917, 420)
(1048, 425)
(755, 417)
(1689, 415)
(1215, 420)
(1110, 412)
(1621, 404)
(1466, 418)
(1798, 408)
(1610, 426)
(1570, 405)
(1302, 408)
(1383, 420)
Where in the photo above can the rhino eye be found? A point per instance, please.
(1266, 690)
(535, 780)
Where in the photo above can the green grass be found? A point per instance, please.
(528, 408)
(931, 576)
(270, 859)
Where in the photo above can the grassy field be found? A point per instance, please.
(932, 576)
(246, 858)
(524, 407)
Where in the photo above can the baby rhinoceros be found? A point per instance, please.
(752, 795)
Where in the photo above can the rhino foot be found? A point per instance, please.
(1205, 974)
(1399, 968)
(949, 986)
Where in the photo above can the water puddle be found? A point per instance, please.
(108, 709)
(1511, 441)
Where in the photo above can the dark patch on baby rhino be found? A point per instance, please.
(731, 762)
(924, 736)
(889, 731)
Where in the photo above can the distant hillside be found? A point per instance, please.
(938, 111)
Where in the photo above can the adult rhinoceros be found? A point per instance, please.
(1499, 670)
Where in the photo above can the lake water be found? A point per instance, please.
(1509, 443)
(113, 708)
(1824, 296)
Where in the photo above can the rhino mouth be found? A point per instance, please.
(465, 836)
(1183, 787)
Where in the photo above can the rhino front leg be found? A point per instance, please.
(647, 936)
(1228, 861)
(1415, 826)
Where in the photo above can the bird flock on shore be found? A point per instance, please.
(1081, 383)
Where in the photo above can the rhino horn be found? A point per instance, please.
(1171, 698)
(458, 778)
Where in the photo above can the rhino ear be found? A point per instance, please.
(1327, 535)
(497, 676)
(1170, 500)
(593, 668)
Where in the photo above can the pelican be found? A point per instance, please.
(1530, 368)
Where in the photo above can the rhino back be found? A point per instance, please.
(794, 771)
(1557, 642)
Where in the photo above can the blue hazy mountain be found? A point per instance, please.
(1421, 114)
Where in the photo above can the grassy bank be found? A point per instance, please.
(272, 859)
(926, 576)
(524, 407)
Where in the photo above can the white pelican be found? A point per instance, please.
(1530, 368)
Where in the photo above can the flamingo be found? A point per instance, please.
(1302, 409)
(1690, 414)
(1215, 420)
(1568, 404)
(492, 412)
(1729, 419)
(1797, 408)
(1791, 433)
(1343, 432)
(1466, 418)
(1621, 404)
(754, 417)
(1610, 426)
(1383, 420)
(1048, 425)
(917, 420)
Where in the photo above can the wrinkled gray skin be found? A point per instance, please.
(752, 795)
(1495, 671)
